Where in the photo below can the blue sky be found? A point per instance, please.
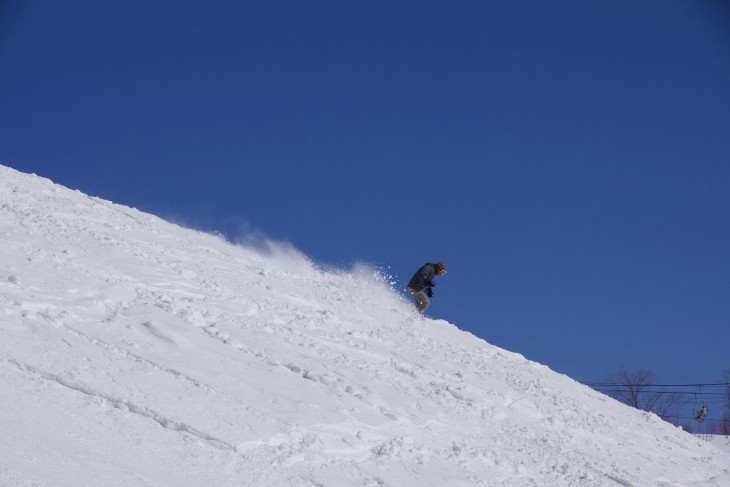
(568, 160)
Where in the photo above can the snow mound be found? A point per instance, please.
(136, 352)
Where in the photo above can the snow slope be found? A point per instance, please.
(134, 352)
(720, 441)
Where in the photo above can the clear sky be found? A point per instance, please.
(568, 160)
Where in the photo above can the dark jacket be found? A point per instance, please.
(423, 278)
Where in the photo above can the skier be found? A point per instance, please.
(421, 283)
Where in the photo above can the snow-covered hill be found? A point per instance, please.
(138, 353)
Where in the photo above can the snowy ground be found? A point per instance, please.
(137, 353)
(721, 442)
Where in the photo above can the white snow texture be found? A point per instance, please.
(134, 352)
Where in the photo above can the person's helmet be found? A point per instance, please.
(441, 266)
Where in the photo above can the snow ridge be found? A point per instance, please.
(136, 352)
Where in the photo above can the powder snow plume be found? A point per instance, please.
(134, 352)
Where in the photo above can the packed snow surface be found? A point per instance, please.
(138, 353)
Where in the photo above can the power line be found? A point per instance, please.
(704, 420)
(598, 384)
(714, 398)
(651, 389)
(685, 393)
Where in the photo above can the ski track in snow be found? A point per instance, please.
(206, 363)
(126, 406)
